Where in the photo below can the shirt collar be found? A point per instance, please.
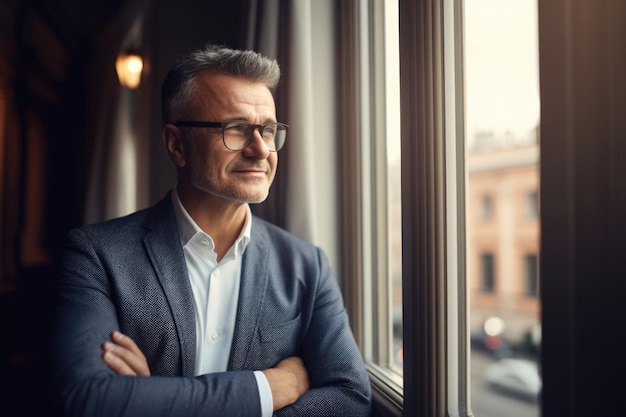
(188, 228)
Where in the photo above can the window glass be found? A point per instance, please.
(380, 184)
(394, 200)
(502, 118)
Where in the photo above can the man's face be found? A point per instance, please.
(240, 176)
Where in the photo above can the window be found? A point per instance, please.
(415, 203)
(487, 272)
(532, 205)
(486, 207)
(531, 274)
(423, 202)
(371, 193)
(453, 59)
(501, 136)
(381, 226)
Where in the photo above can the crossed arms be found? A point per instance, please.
(311, 361)
(288, 380)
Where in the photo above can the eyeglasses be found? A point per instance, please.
(237, 134)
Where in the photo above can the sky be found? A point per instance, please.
(502, 81)
(501, 69)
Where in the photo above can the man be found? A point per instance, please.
(194, 306)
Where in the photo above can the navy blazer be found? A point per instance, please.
(129, 274)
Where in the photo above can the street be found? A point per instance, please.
(486, 402)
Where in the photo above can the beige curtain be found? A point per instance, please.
(117, 171)
(300, 34)
(112, 189)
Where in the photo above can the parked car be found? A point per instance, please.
(514, 376)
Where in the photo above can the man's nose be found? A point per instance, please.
(257, 147)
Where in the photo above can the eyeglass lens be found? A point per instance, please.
(238, 134)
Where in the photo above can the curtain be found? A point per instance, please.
(119, 143)
(112, 188)
(300, 35)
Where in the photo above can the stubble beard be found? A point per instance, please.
(238, 193)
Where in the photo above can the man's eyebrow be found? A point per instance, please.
(267, 120)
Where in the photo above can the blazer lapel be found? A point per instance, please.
(165, 252)
(254, 281)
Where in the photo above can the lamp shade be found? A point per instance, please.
(129, 67)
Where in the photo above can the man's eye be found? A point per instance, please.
(236, 129)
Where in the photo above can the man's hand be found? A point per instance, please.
(124, 357)
(288, 381)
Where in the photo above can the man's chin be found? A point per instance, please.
(235, 194)
(254, 196)
(257, 199)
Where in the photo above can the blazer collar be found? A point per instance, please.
(162, 244)
(254, 281)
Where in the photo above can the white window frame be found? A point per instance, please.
(436, 352)
(435, 332)
(364, 163)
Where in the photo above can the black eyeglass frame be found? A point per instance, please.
(194, 123)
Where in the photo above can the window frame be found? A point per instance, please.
(376, 114)
(435, 332)
(434, 297)
(364, 164)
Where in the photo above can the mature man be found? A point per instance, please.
(194, 306)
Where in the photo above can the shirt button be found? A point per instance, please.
(215, 335)
(217, 273)
(204, 242)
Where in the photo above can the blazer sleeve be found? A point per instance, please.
(85, 317)
(339, 381)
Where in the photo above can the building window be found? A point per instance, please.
(486, 207)
(532, 205)
(531, 275)
(487, 273)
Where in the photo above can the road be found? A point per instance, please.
(486, 402)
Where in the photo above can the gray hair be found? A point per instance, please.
(178, 86)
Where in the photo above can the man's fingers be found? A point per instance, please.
(116, 364)
(124, 357)
(128, 343)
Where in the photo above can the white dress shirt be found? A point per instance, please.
(215, 288)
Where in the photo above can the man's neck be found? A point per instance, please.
(221, 219)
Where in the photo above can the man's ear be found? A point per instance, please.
(174, 144)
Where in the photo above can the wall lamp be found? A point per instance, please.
(128, 67)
